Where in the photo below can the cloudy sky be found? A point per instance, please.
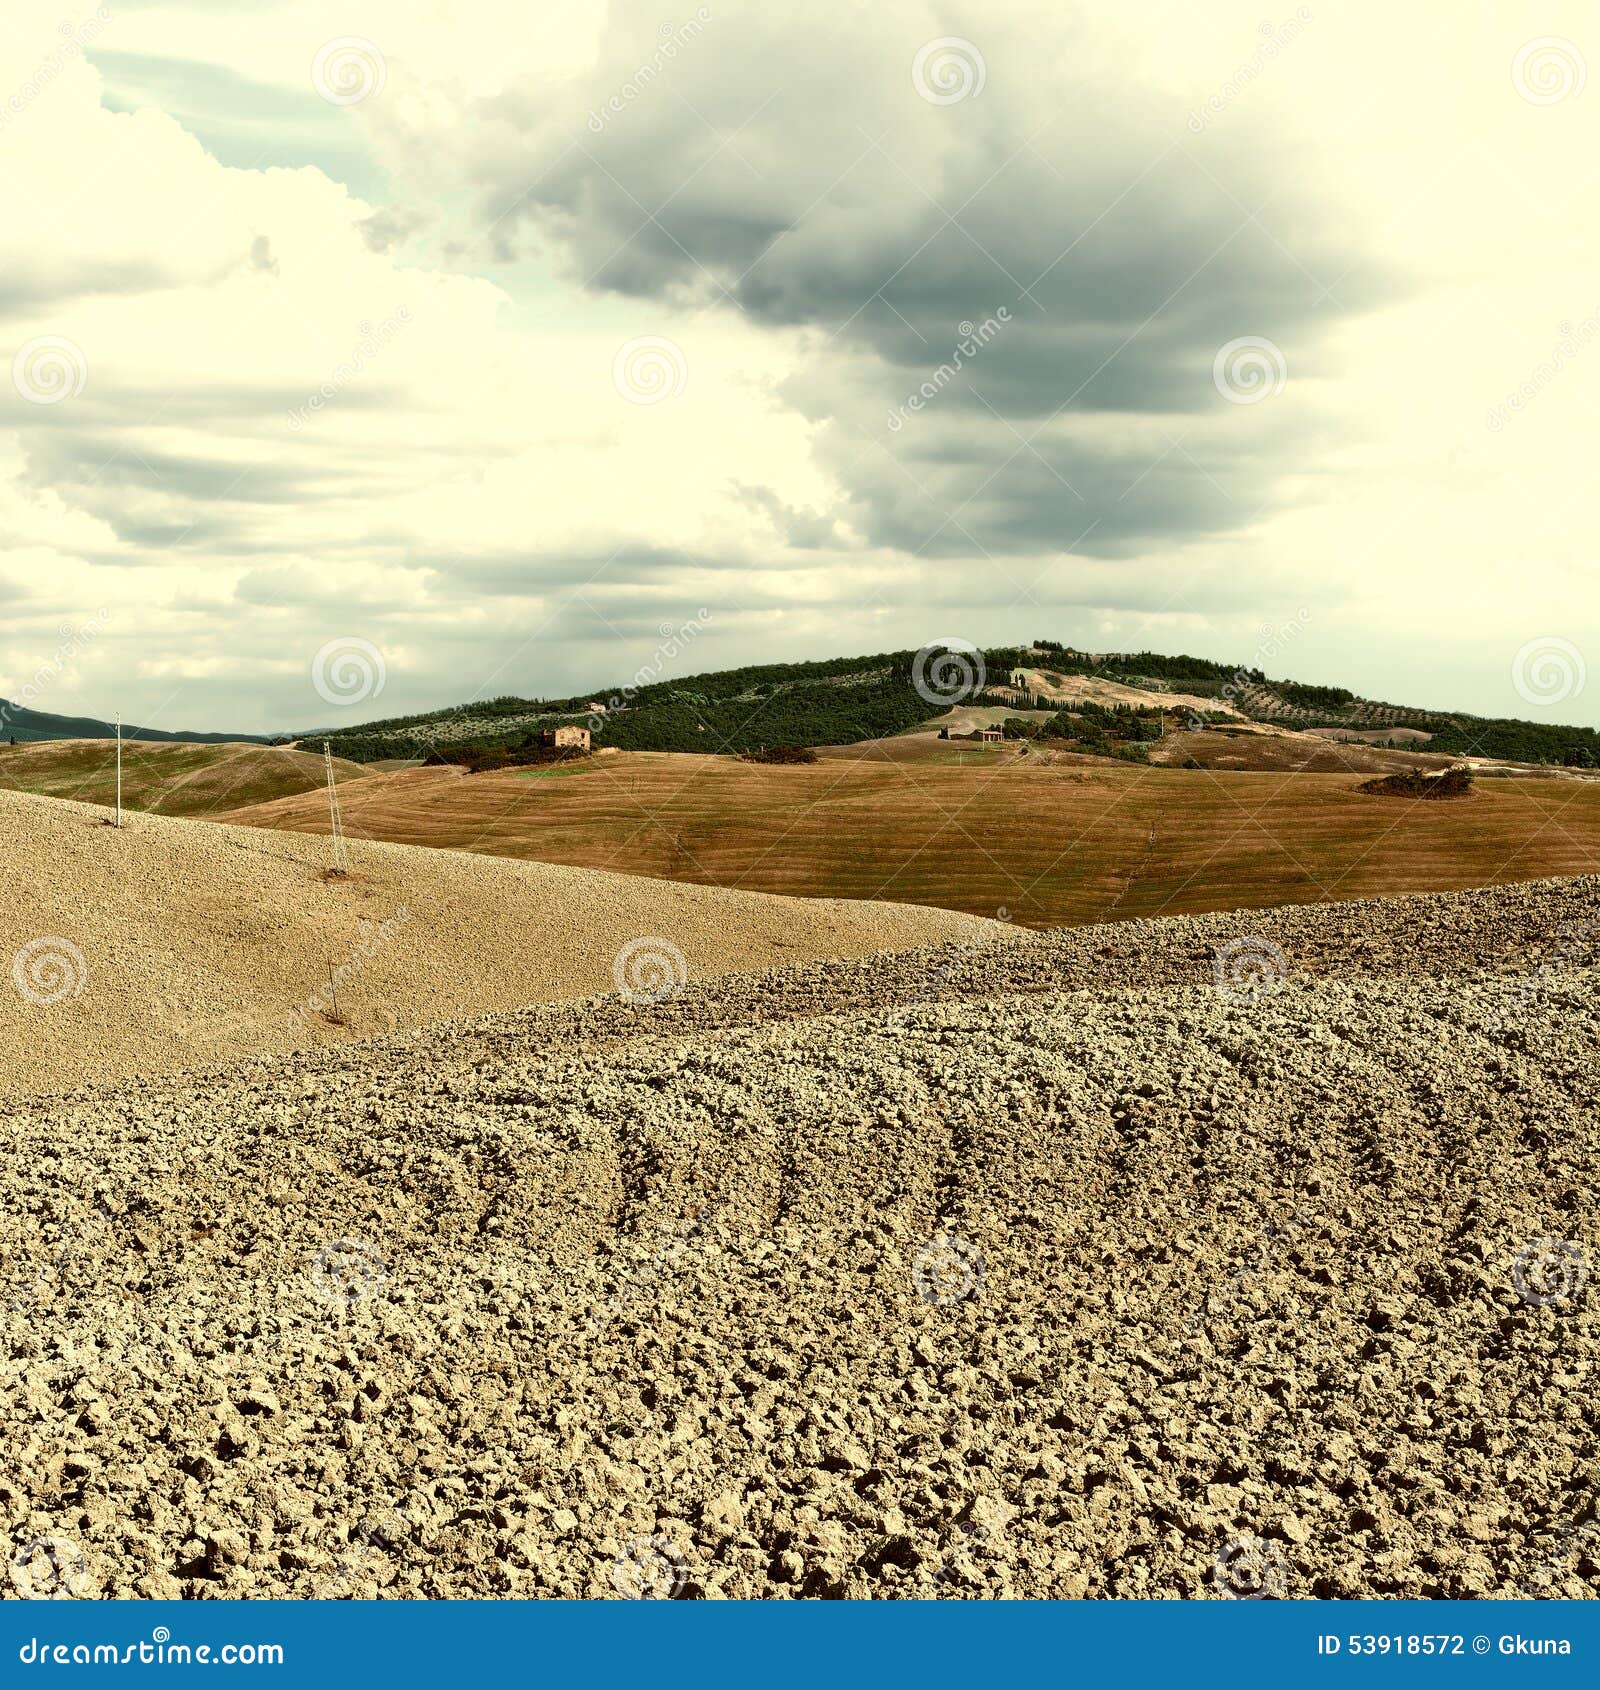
(366, 356)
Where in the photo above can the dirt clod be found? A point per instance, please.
(1265, 1285)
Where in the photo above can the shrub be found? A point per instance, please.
(780, 754)
(478, 758)
(1418, 783)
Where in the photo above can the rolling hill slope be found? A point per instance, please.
(1050, 842)
(171, 778)
(176, 944)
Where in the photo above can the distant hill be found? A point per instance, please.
(838, 701)
(176, 778)
(845, 700)
(25, 726)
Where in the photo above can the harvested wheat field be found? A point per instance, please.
(176, 944)
(1243, 1254)
(171, 779)
(1050, 842)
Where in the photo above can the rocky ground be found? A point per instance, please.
(1226, 1256)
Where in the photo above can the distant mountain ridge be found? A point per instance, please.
(844, 700)
(25, 726)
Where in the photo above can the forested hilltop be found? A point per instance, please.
(843, 700)
(22, 726)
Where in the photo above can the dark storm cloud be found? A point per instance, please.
(233, 407)
(86, 461)
(43, 281)
(529, 574)
(800, 530)
(796, 176)
(391, 227)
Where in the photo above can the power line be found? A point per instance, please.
(341, 854)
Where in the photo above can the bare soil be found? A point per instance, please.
(1226, 1256)
(177, 944)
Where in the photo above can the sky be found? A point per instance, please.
(367, 357)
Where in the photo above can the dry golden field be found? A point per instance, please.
(169, 779)
(1049, 843)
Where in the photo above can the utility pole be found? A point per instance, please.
(341, 856)
(119, 768)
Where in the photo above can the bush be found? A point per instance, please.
(1418, 783)
(780, 754)
(478, 758)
